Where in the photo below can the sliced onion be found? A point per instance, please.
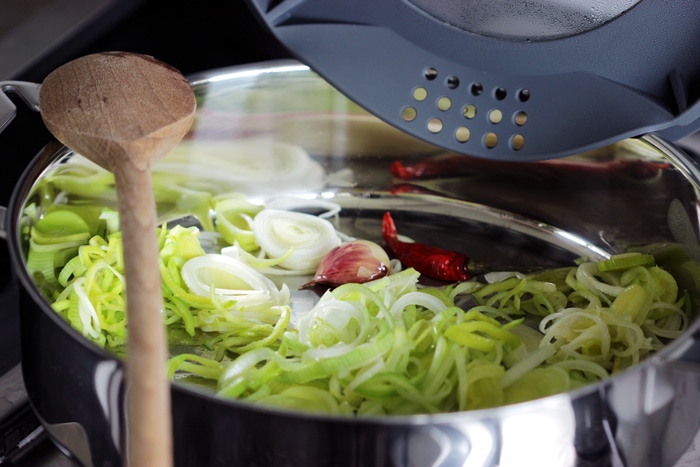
(309, 237)
(231, 279)
(422, 299)
(86, 310)
(586, 275)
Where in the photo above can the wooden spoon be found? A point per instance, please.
(125, 111)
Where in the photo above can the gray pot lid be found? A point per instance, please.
(506, 80)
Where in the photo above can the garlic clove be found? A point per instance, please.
(356, 262)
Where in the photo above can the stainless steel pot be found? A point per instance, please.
(528, 213)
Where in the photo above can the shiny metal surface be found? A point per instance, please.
(532, 213)
(28, 92)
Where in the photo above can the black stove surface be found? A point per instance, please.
(192, 37)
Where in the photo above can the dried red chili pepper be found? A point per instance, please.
(429, 260)
(430, 168)
(457, 165)
(436, 262)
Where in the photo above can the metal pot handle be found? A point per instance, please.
(28, 92)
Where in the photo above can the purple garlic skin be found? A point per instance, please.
(355, 262)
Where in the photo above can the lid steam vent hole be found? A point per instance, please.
(409, 114)
(517, 142)
(495, 116)
(420, 94)
(490, 140)
(469, 111)
(444, 103)
(435, 125)
(462, 134)
(524, 95)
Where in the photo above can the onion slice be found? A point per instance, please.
(231, 279)
(310, 238)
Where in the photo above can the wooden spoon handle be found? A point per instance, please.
(149, 442)
(124, 112)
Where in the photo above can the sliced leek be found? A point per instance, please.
(386, 346)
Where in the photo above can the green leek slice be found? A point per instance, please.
(626, 261)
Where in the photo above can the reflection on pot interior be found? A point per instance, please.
(288, 284)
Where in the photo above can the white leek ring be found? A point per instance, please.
(310, 238)
(231, 279)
